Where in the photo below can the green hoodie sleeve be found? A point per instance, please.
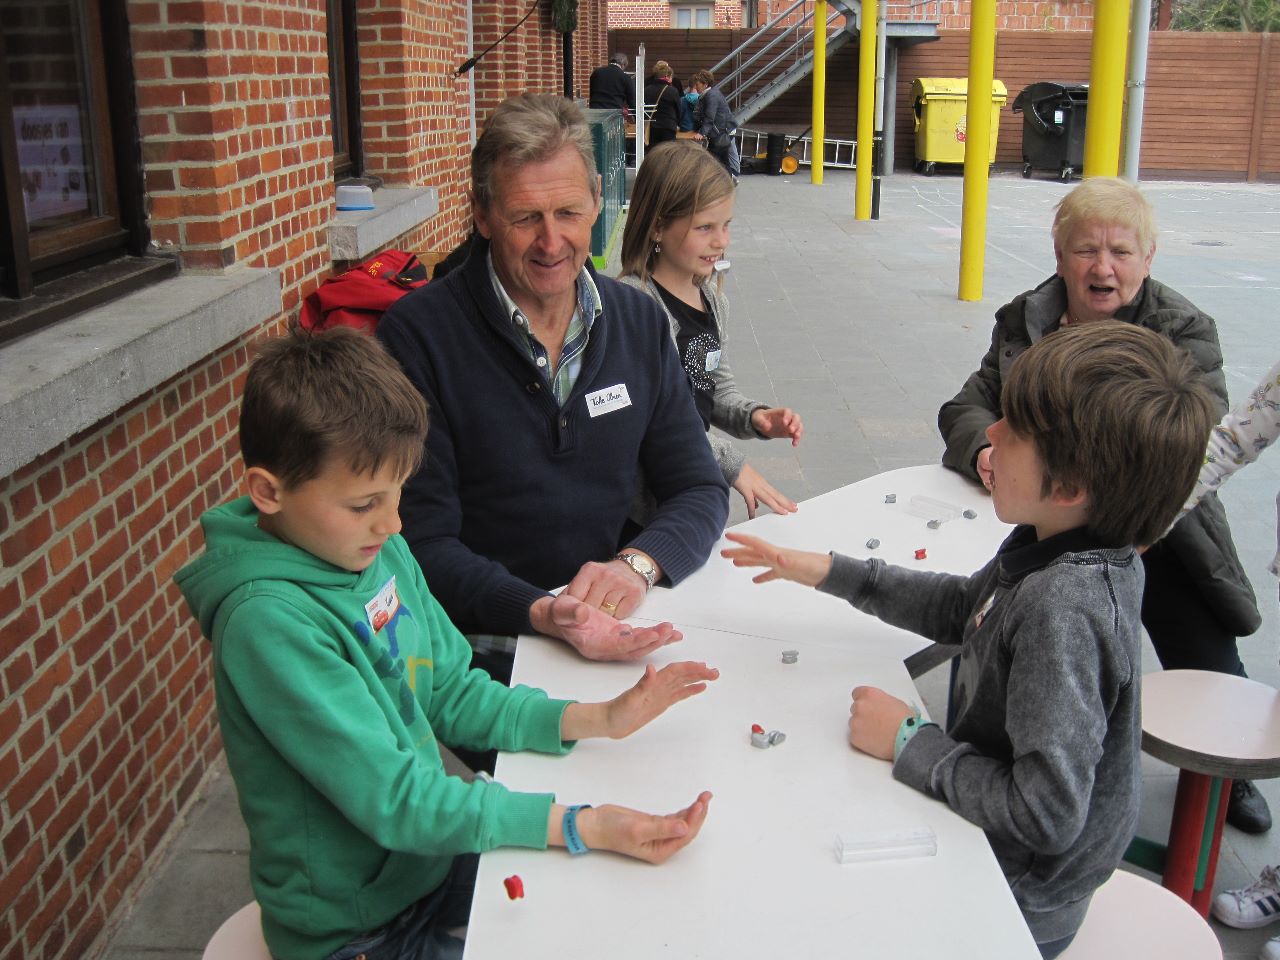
(327, 719)
(470, 709)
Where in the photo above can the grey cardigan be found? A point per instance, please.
(1042, 747)
(1201, 540)
(731, 411)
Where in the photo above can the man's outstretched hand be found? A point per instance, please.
(595, 634)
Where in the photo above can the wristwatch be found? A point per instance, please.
(641, 565)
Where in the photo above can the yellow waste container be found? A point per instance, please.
(939, 104)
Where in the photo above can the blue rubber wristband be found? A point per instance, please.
(569, 827)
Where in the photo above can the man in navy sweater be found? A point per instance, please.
(550, 388)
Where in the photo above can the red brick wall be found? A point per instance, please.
(630, 14)
(107, 721)
(950, 14)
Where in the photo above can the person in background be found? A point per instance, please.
(1042, 748)
(1237, 440)
(611, 87)
(714, 122)
(677, 230)
(1197, 599)
(662, 96)
(552, 387)
(689, 104)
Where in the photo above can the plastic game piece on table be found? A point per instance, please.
(776, 737)
(790, 656)
(921, 554)
(928, 508)
(934, 524)
(515, 886)
(890, 498)
(872, 543)
(760, 740)
(886, 845)
(756, 728)
(971, 514)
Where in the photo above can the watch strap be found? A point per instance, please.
(635, 562)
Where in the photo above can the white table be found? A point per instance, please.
(722, 597)
(761, 879)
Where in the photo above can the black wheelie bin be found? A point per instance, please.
(1053, 119)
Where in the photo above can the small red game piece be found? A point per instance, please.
(515, 886)
(756, 728)
(920, 554)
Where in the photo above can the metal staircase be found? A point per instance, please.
(759, 73)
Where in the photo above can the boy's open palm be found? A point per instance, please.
(644, 836)
(800, 566)
(656, 691)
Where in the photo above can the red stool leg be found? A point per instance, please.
(1202, 899)
(1186, 831)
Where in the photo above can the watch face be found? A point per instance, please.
(640, 565)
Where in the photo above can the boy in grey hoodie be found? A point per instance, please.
(1104, 430)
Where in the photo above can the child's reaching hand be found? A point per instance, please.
(628, 712)
(874, 719)
(800, 566)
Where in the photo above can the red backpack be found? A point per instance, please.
(358, 297)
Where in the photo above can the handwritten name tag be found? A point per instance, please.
(608, 400)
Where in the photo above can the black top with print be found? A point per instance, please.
(699, 346)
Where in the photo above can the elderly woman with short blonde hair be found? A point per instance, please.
(1198, 599)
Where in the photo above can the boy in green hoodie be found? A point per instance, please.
(336, 672)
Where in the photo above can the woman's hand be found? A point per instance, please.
(756, 490)
(778, 423)
(632, 709)
(799, 566)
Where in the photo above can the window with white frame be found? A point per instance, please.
(685, 16)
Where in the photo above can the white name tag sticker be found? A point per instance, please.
(608, 400)
(713, 360)
(383, 607)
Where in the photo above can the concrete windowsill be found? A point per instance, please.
(355, 234)
(58, 381)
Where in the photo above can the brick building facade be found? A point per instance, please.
(631, 14)
(1056, 15)
(119, 422)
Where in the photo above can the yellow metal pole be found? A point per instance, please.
(977, 147)
(866, 112)
(1106, 88)
(819, 90)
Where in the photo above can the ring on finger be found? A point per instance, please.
(608, 606)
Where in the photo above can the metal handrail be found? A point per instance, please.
(756, 36)
(803, 43)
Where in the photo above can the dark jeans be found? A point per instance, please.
(659, 135)
(421, 931)
(1183, 630)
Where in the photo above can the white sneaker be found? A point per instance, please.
(1270, 950)
(1253, 906)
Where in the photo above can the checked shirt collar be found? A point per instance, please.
(585, 313)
